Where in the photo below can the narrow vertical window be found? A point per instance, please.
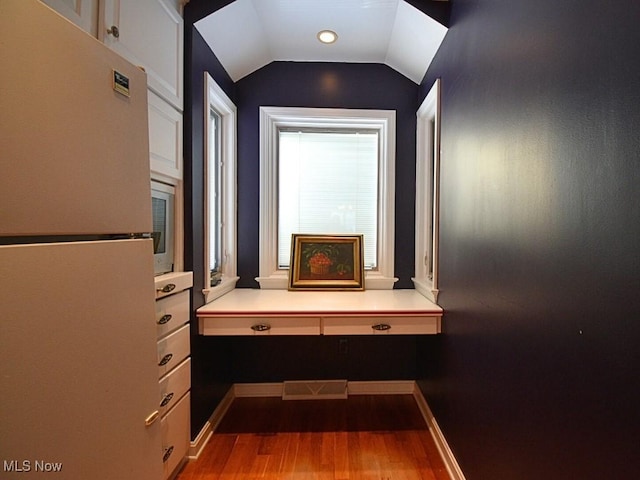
(220, 191)
(427, 194)
(215, 197)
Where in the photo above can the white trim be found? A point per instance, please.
(258, 389)
(196, 446)
(388, 387)
(216, 98)
(428, 194)
(451, 464)
(272, 118)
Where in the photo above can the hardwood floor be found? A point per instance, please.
(381, 437)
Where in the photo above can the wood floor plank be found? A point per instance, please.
(378, 437)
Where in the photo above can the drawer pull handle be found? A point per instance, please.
(152, 418)
(381, 327)
(166, 359)
(169, 287)
(166, 399)
(165, 319)
(261, 327)
(167, 454)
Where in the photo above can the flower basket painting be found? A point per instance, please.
(326, 262)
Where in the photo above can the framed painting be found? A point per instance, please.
(326, 262)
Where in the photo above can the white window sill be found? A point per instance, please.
(372, 281)
(425, 287)
(225, 286)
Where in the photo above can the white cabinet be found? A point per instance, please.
(83, 13)
(148, 33)
(165, 137)
(174, 366)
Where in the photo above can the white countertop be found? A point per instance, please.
(256, 303)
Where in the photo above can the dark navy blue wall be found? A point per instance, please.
(535, 376)
(209, 366)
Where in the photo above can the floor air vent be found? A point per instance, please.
(314, 390)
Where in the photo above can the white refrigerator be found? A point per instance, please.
(78, 359)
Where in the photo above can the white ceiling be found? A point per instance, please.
(249, 34)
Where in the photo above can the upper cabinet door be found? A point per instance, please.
(84, 13)
(149, 33)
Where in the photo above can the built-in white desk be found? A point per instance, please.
(281, 312)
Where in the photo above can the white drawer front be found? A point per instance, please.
(405, 325)
(175, 435)
(172, 349)
(174, 385)
(172, 312)
(171, 283)
(260, 326)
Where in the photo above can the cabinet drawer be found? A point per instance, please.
(174, 385)
(260, 326)
(172, 349)
(404, 325)
(171, 283)
(175, 435)
(172, 312)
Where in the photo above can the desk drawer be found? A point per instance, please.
(402, 325)
(260, 326)
(174, 385)
(172, 312)
(172, 349)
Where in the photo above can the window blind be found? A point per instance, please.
(327, 184)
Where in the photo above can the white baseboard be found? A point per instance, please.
(258, 389)
(450, 461)
(201, 440)
(390, 387)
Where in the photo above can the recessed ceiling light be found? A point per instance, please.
(327, 36)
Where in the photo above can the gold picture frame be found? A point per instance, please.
(326, 262)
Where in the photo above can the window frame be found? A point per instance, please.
(274, 118)
(427, 221)
(217, 99)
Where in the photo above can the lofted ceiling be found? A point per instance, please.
(249, 34)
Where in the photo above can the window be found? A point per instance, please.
(328, 183)
(427, 194)
(220, 191)
(214, 156)
(326, 171)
